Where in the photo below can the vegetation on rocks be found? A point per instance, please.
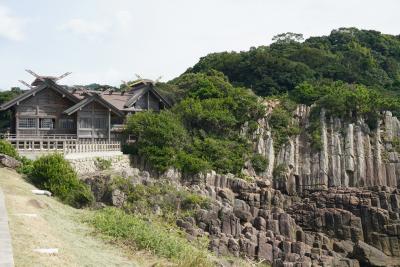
(147, 220)
(202, 131)
(259, 163)
(281, 122)
(172, 202)
(103, 164)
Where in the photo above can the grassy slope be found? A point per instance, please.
(59, 226)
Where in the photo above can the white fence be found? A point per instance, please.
(65, 144)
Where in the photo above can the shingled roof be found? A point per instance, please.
(48, 83)
(93, 98)
(117, 101)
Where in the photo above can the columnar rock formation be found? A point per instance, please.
(324, 227)
(351, 154)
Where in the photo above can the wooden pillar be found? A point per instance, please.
(148, 100)
(77, 125)
(37, 120)
(109, 125)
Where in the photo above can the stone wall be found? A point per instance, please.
(88, 165)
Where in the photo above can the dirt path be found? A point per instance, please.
(43, 222)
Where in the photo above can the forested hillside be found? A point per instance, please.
(347, 54)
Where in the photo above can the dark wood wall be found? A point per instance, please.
(148, 101)
(93, 121)
(46, 104)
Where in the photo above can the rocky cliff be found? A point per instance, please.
(335, 206)
(320, 227)
(351, 155)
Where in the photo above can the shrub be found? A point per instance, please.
(279, 172)
(281, 123)
(8, 149)
(190, 201)
(314, 131)
(259, 163)
(139, 232)
(54, 173)
(26, 166)
(190, 164)
(159, 137)
(222, 154)
(103, 164)
(142, 198)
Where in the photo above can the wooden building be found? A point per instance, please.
(49, 109)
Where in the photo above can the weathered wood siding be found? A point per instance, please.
(46, 104)
(148, 101)
(93, 121)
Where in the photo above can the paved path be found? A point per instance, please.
(6, 255)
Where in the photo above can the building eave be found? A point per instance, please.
(93, 98)
(17, 100)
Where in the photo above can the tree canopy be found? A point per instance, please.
(348, 54)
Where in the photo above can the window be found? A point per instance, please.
(100, 123)
(27, 123)
(85, 123)
(47, 123)
(66, 123)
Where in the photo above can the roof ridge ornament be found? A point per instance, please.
(42, 78)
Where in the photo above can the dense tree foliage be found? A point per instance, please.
(5, 116)
(354, 56)
(202, 131)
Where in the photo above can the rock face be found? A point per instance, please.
(323, 227)
(369, 256)
(351, 154)
(9, 162)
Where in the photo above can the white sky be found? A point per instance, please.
(109, 41)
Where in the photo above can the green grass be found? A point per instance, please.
(153, 236)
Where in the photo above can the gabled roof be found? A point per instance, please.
(47, 84)
(90, 99)
(138, 92)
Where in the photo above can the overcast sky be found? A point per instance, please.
(109, 41)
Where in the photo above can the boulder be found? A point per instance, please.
(368, 255)
(118, 198)
(9, 162)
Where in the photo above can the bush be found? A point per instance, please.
(190, 164)
(133, 230)
(143, 198)
(279, 172)
(8, 149)
(259, 163)
(54, 173)
(103, 164)
(159, 137)
(26, 166)
(282, 124)
(223, 155)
